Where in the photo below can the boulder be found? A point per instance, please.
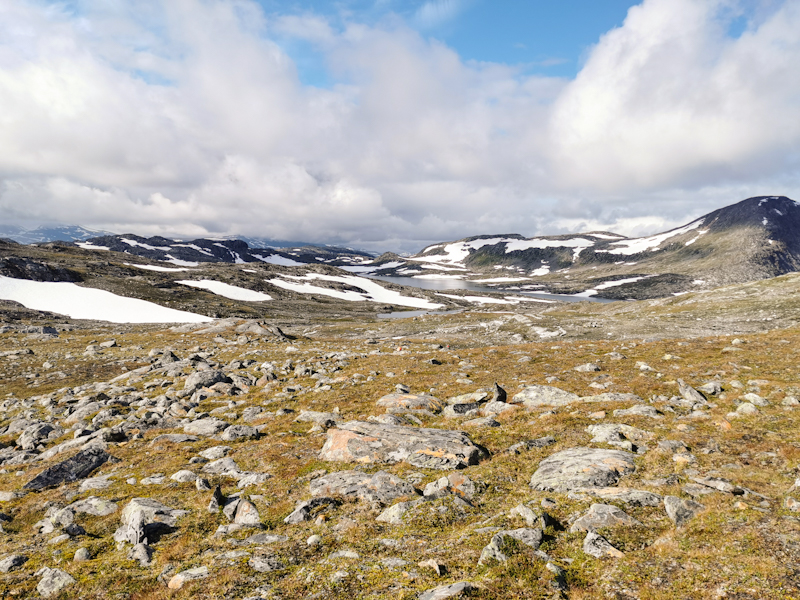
(99, 507)
(364, 442)
(582, 468)
(380, 488)
(207, 426)
(681, 511)
(306, 511)
(52, 581)
(455, 483)
(239, 432)
(501, 546)
(616, 434)
(179, 579)
(72, 469)
(207, 378)
(603, 515)
(638, 410)
(265, 564)
(596, 545)
(544, 395)
(10, 563)
(397, 402)
(622, 494)
(462, 589)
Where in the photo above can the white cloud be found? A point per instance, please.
(186, 118)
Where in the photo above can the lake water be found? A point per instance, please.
(460, 284)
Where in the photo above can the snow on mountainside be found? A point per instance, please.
(753, 239)
(63, 233)
(191, 253)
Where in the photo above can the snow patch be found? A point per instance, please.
(88, 246)
(637, 245)
(609, 284)
(227, 291)
(543, 270)
(145, 246)
(89, 303)
(372, 291)
(156, 268)
(277, 259)
(179, 262)
(193, 247)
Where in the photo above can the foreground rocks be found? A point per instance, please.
(358, 441)
(582, 468)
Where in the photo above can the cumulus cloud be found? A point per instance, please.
(188, 118)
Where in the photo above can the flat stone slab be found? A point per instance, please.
(207, 426)
(455, 590)
(72, 469)
(582, 468)
(544, 395)
(622, 494)
(603, 515)
(397, 402)
(376, 443)
(381, 487)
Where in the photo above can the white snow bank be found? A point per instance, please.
(499, 280)
(89, 303)
(228, 291)
(88, 246)
(372, 291)
(514, 245)
(637, 245)
(181, 263)
(608, 284)
(156, 268)
(142, 245)
(277, 259)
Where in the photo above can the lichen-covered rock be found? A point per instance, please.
(681, 511)
(72, 469)
(603, 515)
(500, 547)
(306, 511)
(359, 441)
(201, 379)
(380, 488)
(179, 579)
(582, 467)
(397, 402)
(596, 545)
(623, 494)
(207, 426)
(462, 589)
(52, 581)
(544, 395)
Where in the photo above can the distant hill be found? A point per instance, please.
(43, 234)
(754, 239)
(194, 252)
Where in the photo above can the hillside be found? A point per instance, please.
(754, 239)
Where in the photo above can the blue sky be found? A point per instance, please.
(390, 125)
(538, 36)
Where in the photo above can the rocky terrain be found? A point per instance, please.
(622, 450)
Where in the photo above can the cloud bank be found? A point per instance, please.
(188, 118)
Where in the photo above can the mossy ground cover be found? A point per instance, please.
(731, 551)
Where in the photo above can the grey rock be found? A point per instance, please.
(99, 507)
(141, 553)
(471, 398)
(525, 445)
(222, 466)
(10, 563)
(319, 418)
(81, 554)
(72, 469)
(455, 483)
(184, 476)
(498, 394)
(712, 388)
(179, 579)
(395, 513)
(217, 500)
(621, 494)
(215, 452)
(719, 484)
(52, 581)
(239, 432)
(265, 538)
(306, 511)
(499, 548)
(616, 434)
(689, 393)
(141, 514)
(462, 589)
(681, 511)
(247, 513)
(265, 564)
(380, 488)
(639, 410)
(582, 467)
(452, 411)
(588, 368)
(175, 438)
(201, 379)
(544, 395)
(252, 479)
(596, 545)
(359, 441)
(207, 426)
(603, 515)
(672, 446)
(481, 422)
(397, 402)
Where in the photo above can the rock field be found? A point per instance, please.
(235, 460)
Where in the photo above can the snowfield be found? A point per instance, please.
(277, 259)
(157, 268)
(227, 291)
(371, 290)
(88, 303)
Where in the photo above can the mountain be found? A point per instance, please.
(194, 252)
(43, 234)
(754, 239)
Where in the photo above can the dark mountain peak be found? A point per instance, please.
(773, 212)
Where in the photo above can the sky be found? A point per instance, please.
(389, 124)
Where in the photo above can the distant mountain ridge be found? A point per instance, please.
(44, 234)
(194, 252)
(756, 238)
